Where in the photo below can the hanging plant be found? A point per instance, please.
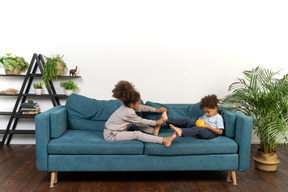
(53, 67)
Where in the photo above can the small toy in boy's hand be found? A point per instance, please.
(200, 123)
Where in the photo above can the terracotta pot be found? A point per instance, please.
(15, 71)
(59, 69)
(266, 161)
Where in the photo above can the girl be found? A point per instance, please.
(214, 124)
(116, 127)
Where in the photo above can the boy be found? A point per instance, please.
(213, 121)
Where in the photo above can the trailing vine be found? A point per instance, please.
(50, 69)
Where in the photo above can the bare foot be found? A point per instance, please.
(167, 141)
(164, 116)
(177, 130)
(156, 130)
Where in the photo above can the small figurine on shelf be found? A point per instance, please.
(73, 71)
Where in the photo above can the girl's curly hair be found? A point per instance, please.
(126, 92)
(209, 101)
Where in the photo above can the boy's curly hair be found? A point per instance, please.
(125, 92)
(209, 101)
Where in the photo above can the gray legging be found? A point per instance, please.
(130, 135)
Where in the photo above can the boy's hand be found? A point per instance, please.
(206, 126)
(160, 122)
(217, 131)
(161, 110)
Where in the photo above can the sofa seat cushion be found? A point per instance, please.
(75, 142)
(193, 146)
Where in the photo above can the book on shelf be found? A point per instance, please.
(29, 108)
(29, 105)
(30, 112)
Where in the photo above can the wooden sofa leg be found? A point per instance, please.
(233, 174)
(53, 179)
(234, 177)
(56, 178)
(228, 177)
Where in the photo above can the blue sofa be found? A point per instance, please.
(70, 138)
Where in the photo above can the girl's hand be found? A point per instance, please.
(160, 122)
(161, 110)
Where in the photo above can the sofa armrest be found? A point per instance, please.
(243, 133)
(43, 136)
(58, 120)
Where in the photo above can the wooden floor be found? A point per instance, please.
(18, 173)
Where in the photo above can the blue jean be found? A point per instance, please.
(189, 128)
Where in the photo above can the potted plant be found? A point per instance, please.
(38, 88)
(53, 67)
(69, 87)
(13, 65)
(265, 98)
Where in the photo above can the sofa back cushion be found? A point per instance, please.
(192, 112)
(89, 114)
(188, 111)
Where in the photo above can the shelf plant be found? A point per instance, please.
(265, 98)
(13, 65)
(69, 87)
(38, 85)
(53, 67)
(38, 88)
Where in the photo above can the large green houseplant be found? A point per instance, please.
(53, 67)
(265, 98)
(13, 65)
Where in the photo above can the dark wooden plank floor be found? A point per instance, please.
(18, 173)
